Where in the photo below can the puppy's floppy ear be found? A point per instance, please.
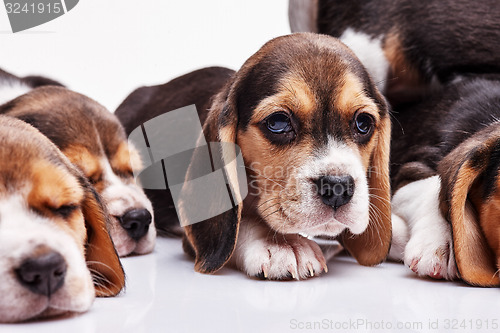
(213, 240)
(100, 254)
(462, 185)
(372, 246)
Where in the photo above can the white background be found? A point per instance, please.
(107, 48)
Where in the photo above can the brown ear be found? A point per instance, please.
(212, 241)
(101, 257)
(372, 246)
(461, 174)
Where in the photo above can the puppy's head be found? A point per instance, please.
(93, 139)
(470, 199)
(314, 135)
(55, 250)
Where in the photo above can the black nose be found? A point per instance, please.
(335, 191)
(136, 222)
(44, 274)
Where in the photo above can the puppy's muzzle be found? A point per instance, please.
(44, 274)
(136, 223)
(335, 191)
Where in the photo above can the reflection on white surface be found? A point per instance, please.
(164, 294)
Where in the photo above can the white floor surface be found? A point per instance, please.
(164, 294)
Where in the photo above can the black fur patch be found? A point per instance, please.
(477, 158)
(214, 240)
(491, 172)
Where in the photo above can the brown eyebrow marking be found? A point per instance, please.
(126, 159)
(87, 162)
(293, 94)
(53, 187)
(351, 97)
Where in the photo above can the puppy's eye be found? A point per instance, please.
(279, 123)
(65, 210)
(363, 124)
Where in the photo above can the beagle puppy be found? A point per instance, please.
(93, 139)
(409, 47)
(55, 251)
(445, 163)
(314, 133)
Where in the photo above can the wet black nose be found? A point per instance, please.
(335, 191)
(44, 274)
(136, 222)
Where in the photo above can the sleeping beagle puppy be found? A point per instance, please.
(314, 134)
(55, 251)
(93, 139)
(446, 172)
(409, 47)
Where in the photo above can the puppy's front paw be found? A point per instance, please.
(281, 257)
(430, 253)
(429, 250)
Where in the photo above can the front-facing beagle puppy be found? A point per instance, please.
(314, 134)
(55, 251)
(93, 139)
(446, 168)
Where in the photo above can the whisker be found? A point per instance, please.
(269, 207)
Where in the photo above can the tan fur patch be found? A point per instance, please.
(490, 222)
(268, 161)
(377, 237)
(473, 257)
(351, 97)
(293, 94)
(52, 188)
(401, 69)
(403, 76)
(227, 134)
(126, 159)
(101, 255)
(85, 161)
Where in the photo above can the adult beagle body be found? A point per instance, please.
(55, 250)
(445, 166)
(409, 46)
(94, 140)
(314, 134)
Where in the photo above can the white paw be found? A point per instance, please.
(281, 257)
(430, 253)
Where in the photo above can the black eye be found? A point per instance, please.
(363, 124)
(278, 123)
(65, 210)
